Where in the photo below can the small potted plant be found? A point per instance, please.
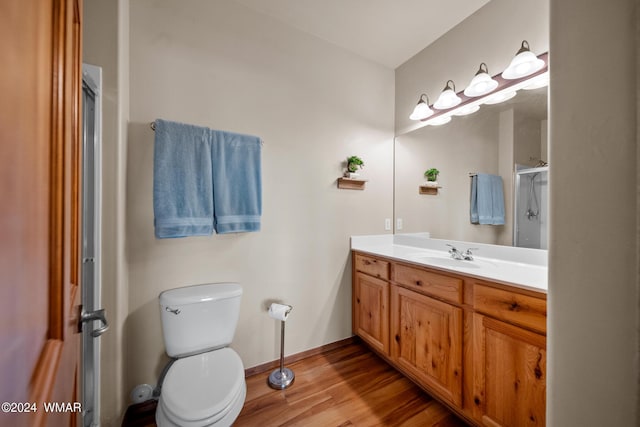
(432, 177)
(353, 164)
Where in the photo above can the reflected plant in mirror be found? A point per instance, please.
(353, 164)
(431, 174)
(432, 177)
(499, 139)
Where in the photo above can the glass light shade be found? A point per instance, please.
(422, 110)
(500, 97)
(481, 84)
(448, 98)
(466, 110)
(439, 120)
(523, 64)
(538, 82)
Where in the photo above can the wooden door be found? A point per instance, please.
(39, 221)
(371, 311)
(427, 342)
(510, 374)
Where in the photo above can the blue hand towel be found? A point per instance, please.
(497, 200)
(182, 182)
(487, 200)
(237, 182)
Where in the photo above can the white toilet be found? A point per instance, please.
(206, 385)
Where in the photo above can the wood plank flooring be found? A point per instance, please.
(347, 386)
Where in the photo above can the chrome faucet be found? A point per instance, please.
(462, 256)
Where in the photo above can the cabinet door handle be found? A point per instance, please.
(419, 283)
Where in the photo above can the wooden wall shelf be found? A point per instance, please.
(351, 184)
(433, 191)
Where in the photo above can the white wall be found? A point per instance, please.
(593, 252)
(221, 65)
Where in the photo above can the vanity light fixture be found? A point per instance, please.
(440, 120)
(523, 64)
(483, 89)
(422, 110)
(537, 82)
(500, 97)
(448, 98)
(481, 84)
(466, 110)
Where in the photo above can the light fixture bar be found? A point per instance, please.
(506, 85)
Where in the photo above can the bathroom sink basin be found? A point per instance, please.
(437, 259)
(448, 262)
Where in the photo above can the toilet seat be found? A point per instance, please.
(203, 389)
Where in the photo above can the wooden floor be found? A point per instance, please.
(348, 386)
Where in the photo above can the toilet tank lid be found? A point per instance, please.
(200, 293)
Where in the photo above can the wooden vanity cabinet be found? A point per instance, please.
(371, 302)
(510, 374)
(478, 346)
(426, 342)
(509, 357)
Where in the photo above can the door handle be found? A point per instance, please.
(89, 316)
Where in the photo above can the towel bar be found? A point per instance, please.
(152, 125)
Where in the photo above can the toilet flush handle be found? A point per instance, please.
(175, 311)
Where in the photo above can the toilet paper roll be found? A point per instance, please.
(279, 311)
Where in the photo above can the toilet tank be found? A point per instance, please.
(199, 318)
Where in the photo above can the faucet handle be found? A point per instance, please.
(468, 255)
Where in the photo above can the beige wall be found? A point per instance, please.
(593, 251)
(220, 65)
(105, 44)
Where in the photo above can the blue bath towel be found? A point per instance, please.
(487, 200)
(182, 181)
(237, 182)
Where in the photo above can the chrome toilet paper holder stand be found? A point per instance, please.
(282, 377)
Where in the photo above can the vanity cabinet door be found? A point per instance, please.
(371, 311)
(427, 342)
(510, 374)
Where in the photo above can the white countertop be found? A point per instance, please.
(521, 267)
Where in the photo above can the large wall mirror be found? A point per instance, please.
(507, 139)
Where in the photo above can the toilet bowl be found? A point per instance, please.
(205, 386)
(203, 390)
